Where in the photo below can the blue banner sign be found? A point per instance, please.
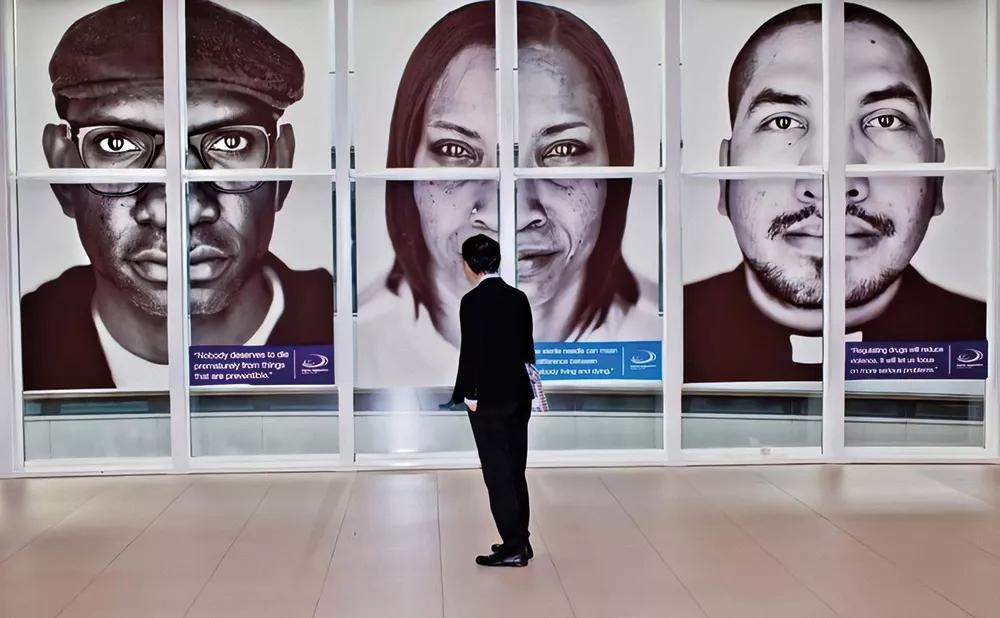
(264, 365)
(950, 360)
(601, 360)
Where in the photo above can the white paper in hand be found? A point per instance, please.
(539, 403)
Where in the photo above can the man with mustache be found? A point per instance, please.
(763, 321)
(105, 325)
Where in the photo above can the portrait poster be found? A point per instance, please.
(916, 247)
(92, 257)
(409, 234)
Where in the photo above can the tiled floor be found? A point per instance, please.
(803, 541)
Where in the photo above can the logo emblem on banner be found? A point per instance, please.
(315, 363)
(969, 356)
(643, 357)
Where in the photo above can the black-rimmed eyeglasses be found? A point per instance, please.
(224, 148)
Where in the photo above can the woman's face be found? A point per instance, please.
(561, 124)
(459, 130)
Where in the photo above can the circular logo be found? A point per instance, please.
(315, 361)
(643, 357)
(970, 356)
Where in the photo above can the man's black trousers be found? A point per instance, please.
(501, 433)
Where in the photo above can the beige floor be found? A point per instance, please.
(887, 541)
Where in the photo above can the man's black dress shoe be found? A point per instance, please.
(530, 553)
(503, 559)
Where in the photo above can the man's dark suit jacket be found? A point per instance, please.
(61, 349)
(496, 343)
(727, 339)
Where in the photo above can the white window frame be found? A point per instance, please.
(672, 174)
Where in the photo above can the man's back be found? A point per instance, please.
(496, 343)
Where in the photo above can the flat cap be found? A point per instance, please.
(119, 50)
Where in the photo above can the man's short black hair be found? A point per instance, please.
(482, 254)
(745, 63)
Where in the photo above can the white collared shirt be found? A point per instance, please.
(132, 372)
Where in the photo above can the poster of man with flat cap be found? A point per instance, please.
(93, 257)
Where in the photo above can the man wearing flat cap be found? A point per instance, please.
(104, 325)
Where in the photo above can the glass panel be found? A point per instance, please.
(753, 83)
(889, 43)
(753, 247)
(93, 283)
(426, 80)
(589, 262)
(76, 71)
(917, 252)
(261, 318)
(589, 83)
(256, 71)
(410, 283)
(753, 312)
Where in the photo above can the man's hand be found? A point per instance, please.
(471, 404)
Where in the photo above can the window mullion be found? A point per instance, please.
(991, 395)
(670, 234)
(506, 44)
(175, 134)
(344, 317)
(834, 228)
(11, 451)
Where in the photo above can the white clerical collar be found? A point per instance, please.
(809, 350)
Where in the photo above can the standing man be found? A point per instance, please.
(493, 380)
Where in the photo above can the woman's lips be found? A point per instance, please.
(205, 264)
(533, 262)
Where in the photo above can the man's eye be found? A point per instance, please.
(886, 122)
(783, 123)
(230, 143)
(117, 144)
(453, 150)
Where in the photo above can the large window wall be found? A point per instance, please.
(750, 229)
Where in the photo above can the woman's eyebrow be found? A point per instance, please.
(457, 128)
(559, 128)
